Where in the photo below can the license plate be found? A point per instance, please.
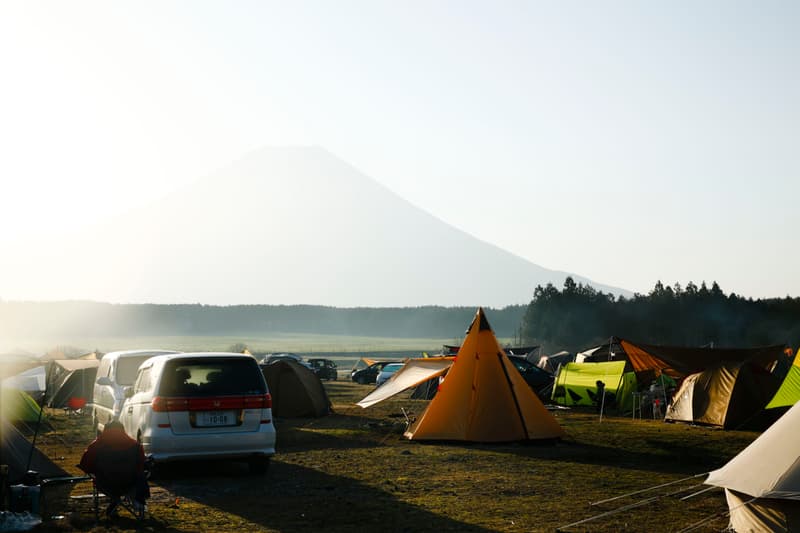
(216, 418)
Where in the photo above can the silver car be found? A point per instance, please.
(387, 373)
(201, 405)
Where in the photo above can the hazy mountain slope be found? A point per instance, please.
(286, 225)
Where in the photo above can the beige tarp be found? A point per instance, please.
(414, 372)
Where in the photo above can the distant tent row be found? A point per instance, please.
(483, 398)
(57, 381)
(720, 387)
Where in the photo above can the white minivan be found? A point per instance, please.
(116, 371)
(201, 406)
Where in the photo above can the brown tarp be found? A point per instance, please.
(680, 361)
(296, 390)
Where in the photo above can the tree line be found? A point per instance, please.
(579, 317)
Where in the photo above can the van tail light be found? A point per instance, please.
(161, 404)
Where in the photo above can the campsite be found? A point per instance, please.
(484, 454)
(354, 471)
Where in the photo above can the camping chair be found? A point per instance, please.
(75, 405)
(117, 477)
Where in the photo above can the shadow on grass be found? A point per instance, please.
(335, 432)
(329, 503)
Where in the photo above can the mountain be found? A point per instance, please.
(281, 226)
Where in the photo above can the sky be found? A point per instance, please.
(624, 141)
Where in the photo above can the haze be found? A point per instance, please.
(626, 142)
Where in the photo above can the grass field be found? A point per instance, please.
(354, 471)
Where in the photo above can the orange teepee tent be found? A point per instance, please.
(484, 398)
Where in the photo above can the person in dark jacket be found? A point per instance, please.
(117, 463)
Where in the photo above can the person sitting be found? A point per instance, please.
(117, 464)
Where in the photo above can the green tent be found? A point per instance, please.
(18, 406)
(789, 393)
(576, 384)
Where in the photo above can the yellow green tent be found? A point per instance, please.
(576, 384)
(18, 406)
(789, 393)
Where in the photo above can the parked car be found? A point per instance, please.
(324, 368)
(270, 358)
(116, 371)
(369, 374)
(387, 372)
(201, 405)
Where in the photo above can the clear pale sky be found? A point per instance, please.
(624, 141)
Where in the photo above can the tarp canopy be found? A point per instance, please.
(768, 469)
(789, 392)
(414, 372)
(483, 398)
(576, 384)
(296, 390)
(680, 361)
(676, 361)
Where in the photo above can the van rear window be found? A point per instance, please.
(211, 377)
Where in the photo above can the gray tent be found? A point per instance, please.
(71, 379)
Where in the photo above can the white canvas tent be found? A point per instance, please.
(762, 483)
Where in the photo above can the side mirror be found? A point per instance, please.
(104, 381)
(128, 392)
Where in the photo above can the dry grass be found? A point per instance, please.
(354, 471)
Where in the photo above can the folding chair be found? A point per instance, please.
(118, 478)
